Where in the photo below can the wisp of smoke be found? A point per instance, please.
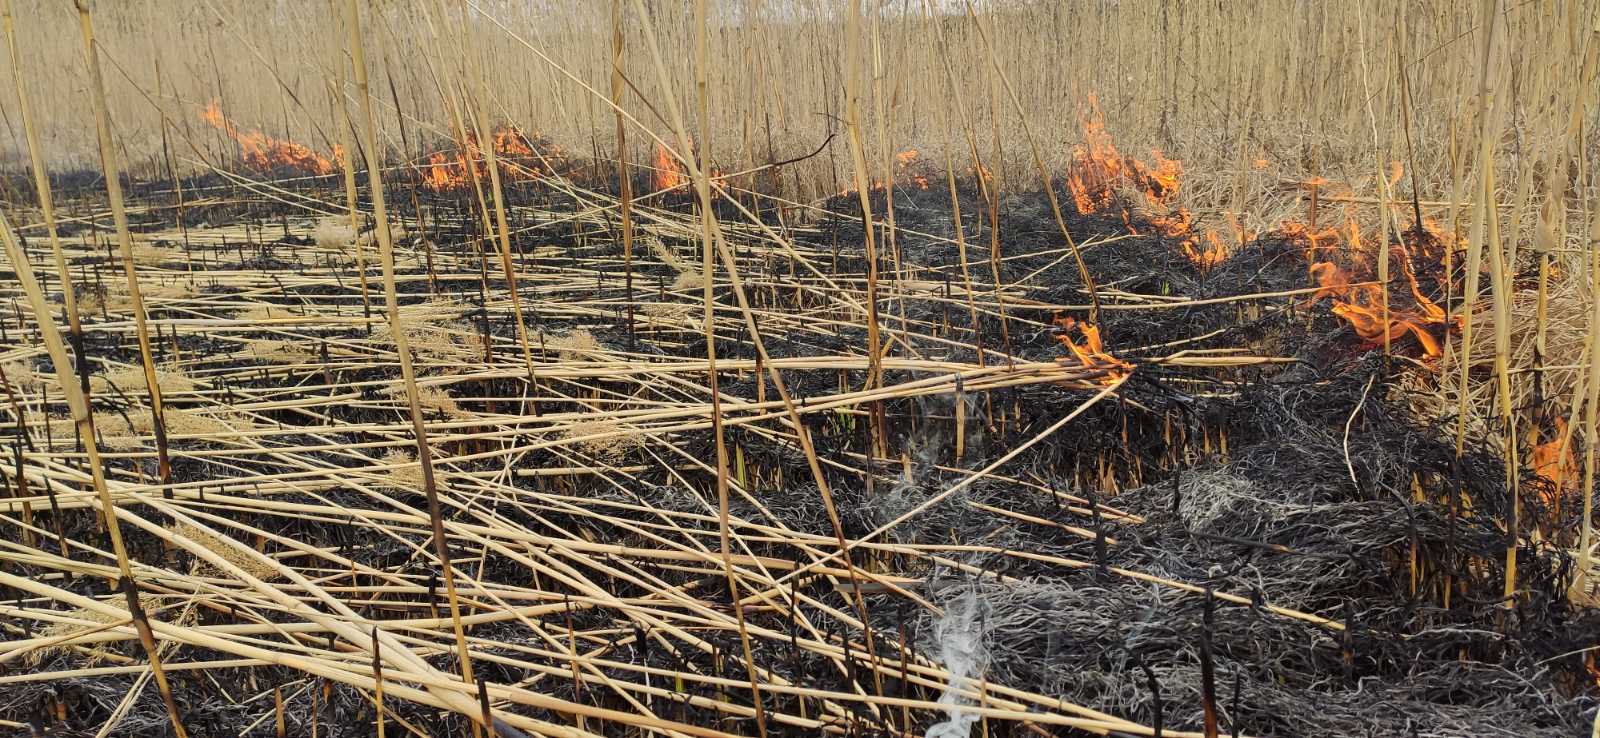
(960, 637)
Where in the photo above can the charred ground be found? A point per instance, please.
(1268, 521)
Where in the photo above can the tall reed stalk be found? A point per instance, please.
(41, 189)
(83, 419)
(347, 165)
(397, 328)
(502, 231)
(863, 190)
(112, 168)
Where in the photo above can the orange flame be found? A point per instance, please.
(1099, 173)
(908, 158)
(904, 161)
(1316, 241)
(667, 174)
(1176, 224)
(1216, 249)
(509, 141)
(1360, 302)
(1556, 465)
(1091, 353)
(448, 172)
(442, 174)
(1099, 170)
(1080, 195)
(1339, 259)
(1213, 254)
(265, 153)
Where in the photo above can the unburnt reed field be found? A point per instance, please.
(799, 368)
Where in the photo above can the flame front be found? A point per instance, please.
(445, 172)
(1340, 261)
(509, 141)
(265, 153)
(905, 161)
(909, 170)
(1100, 174)
(1212, 254)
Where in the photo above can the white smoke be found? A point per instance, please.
(960, 637)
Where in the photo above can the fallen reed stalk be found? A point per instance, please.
(594, 566)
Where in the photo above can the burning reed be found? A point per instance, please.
(730, 426)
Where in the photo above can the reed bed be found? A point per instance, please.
(793, 369)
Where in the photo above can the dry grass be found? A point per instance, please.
(115, 298)
(259, 312)
(605, 440)
(129, 430)
(275, 351)
(688, 281)
(185, 422)
(90, 620)
(689, 277)
(224, 550)
(575, 345)
(145, 254)
(131, 380)
(179, 290)
(115, 431)
(1255, 99)
(406, 474)
(91, 302)
(665, 254)
(430, 397)
(1212, 84)
(21, 376)
(668, 315)
(334, 233)
(443, 347)
(1251, 100)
